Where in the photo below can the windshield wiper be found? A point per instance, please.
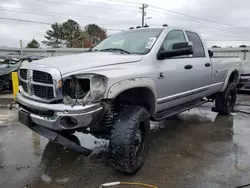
(115, 49)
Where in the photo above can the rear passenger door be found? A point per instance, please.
(202, 68)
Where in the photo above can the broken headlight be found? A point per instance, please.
(84, 89)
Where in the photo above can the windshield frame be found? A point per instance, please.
(132, 30)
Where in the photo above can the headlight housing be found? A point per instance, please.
(83, 89)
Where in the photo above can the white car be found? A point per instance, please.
(244, 83)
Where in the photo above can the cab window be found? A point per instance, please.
(174, 36)
(197, 44)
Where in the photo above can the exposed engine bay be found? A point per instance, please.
(80, 90)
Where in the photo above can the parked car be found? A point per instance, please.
(244, 83)
(7, 66)
(115, 89)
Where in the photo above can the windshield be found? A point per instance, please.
(133, 41)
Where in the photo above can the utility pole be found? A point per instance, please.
(144, 6)
(21, 47)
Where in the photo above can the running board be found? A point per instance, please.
(176, 110)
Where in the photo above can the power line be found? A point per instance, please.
(215, 27)
(29, 21)
(47, 23)
(101, 7)
(44, 23)
(175, 12)
(120, 4)
(71, 4)
(193, 18)
(91, 18)
(60, 14)
(22, 10)
(197, 18)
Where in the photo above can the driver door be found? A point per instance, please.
(173, 85)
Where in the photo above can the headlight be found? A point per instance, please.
(97, 88)
(83, 89)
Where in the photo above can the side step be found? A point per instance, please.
(176, 110)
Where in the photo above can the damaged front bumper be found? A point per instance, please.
(57, 117)
(45, 119)
(61, 139)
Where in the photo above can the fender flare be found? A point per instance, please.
(229, 73)
(131, 83)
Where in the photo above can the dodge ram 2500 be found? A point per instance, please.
(122, 83)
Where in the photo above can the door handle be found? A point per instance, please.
(207, 65)
(188, 66)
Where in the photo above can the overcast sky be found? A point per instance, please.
(221, 22)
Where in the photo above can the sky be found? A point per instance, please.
(221, 22)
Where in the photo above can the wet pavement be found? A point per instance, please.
(198, 148)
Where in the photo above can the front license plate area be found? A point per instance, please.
(24, 118)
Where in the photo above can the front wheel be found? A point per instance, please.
(224, 103)
(129, 139)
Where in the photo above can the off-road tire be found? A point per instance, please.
(132, 125)
(225, 101)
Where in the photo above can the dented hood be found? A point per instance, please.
(71, 63)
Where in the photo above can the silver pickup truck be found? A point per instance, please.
(119, 85)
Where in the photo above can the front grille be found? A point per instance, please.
(23, 74)
(39, 85)
(24, 86)
(42, 77)
(44, 92)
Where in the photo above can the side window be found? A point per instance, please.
(174, 36)
(197, 44)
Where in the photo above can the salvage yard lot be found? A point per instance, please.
(198, 148)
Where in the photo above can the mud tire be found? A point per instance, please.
(129, 139)
(225, 101)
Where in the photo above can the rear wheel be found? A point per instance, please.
(129, 139)
(224, 103)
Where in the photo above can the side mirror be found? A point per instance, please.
(177, 49)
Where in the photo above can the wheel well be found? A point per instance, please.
(234, 77)
(138, 96)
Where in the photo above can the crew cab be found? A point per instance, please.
(119, 85)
